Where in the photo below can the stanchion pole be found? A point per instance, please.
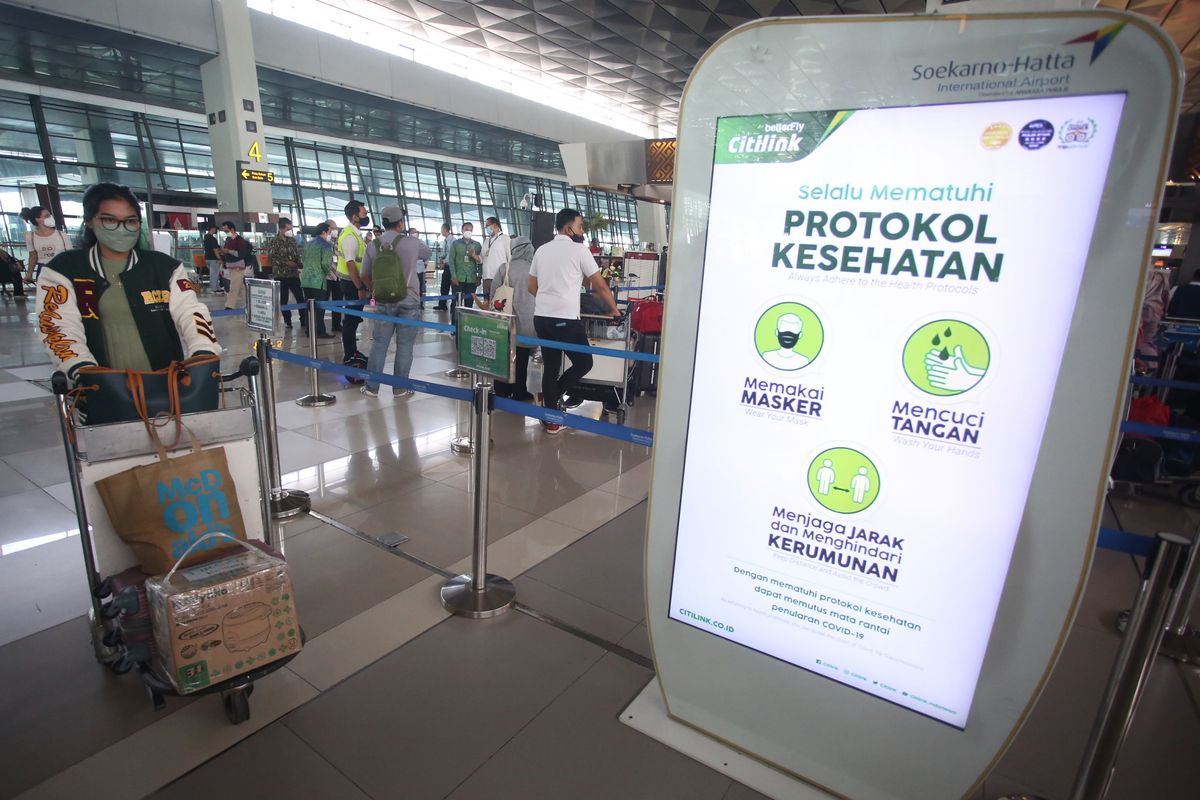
(479, 595)
(284, 502)
(1181, 643)
(456, 373)
(254, 378)
(461, 443)
(1147, 624)
(315, 398)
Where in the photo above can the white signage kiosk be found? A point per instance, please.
(909, 255)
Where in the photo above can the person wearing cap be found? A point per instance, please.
(410, 250)
(788, 331)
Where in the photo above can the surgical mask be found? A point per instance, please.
(787, 339)
(578, 238)
(290, 233)
(46, 222)
(365, 221)
(119, 241)
(466, 236)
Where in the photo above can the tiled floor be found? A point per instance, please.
(393, 698)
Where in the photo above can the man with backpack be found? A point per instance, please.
(390, 269)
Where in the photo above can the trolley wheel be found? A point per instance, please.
(121, 665)
(1189, 495)
(237, 704)
(112, 638)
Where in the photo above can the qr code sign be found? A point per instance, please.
(483, 348)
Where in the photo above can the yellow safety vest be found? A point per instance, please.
(342, 269)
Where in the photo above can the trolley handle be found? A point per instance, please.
(59, 383)
(247, 369)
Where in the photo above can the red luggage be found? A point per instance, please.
(647, 315)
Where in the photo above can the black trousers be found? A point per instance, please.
(318, 295)
(350, 323)
(570, 331)
(334, 288)
(292, 286)
(445, 286)
(518, 389)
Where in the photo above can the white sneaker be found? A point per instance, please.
(402, 394)
(368, 392)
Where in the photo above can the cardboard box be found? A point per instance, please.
(223, 618)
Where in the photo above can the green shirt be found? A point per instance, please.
(462, 267)
(121, 338)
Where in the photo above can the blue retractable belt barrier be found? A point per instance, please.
(628, 355)
(1184, 386)
(1161, 432)
(416, 323)
(1123, 542)
(228, 312)
(441, 390)
(634, 435)
(639, 288)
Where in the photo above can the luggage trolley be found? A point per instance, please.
(98, 451)
(608, 380)
(1178, 341)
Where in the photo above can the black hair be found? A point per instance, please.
(491, 221)
(96, 195)
(470, 225)
(353, 206)
(321, 228)
(565, 217)
(446, 226)
(284, 221)
(31, 215)
(211, 226)
(231, 224)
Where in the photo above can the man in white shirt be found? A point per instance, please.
(560, 268)
(496, 253)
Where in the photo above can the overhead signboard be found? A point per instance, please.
(257, 175)
(897, 373)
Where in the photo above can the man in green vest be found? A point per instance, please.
(351, 247)
(465, 260)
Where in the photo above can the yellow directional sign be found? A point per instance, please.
(257, 175)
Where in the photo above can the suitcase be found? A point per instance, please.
(646, 374)
(647, 315)
(127, 606)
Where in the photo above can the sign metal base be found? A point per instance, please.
(290, 503)
(316, 400)
(460, 599)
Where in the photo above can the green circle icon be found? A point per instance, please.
(789, 336)
(843, 480)
(946, 357)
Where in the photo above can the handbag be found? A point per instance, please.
(167, 509)
(108, 395)
(502, 297)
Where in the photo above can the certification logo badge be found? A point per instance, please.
(1036, 134)
(996, 135)
(1076, 133)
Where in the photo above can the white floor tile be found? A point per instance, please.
(297, 452)
(29, 516)
(34, 373)
(592, 510)
(22, 391)
(43, 586)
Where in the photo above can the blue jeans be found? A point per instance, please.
(382, 333)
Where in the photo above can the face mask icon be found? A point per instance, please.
(788, 331)
(787, 339)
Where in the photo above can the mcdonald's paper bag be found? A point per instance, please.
(161, 509)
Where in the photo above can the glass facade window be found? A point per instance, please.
(169, 163)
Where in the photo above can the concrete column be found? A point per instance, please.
(652, 222)
(235, 126)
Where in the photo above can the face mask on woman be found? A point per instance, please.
(121, 240)
(46, 222)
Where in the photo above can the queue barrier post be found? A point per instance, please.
(456, 373)
(461, 444)
(284, 503)
(315, 398)
(1183, 641)
(479, 595)
(1135, 658)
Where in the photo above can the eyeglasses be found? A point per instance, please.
(130, 224)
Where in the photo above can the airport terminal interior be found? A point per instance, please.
(256, 111)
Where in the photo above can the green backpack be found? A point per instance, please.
(388, 284)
